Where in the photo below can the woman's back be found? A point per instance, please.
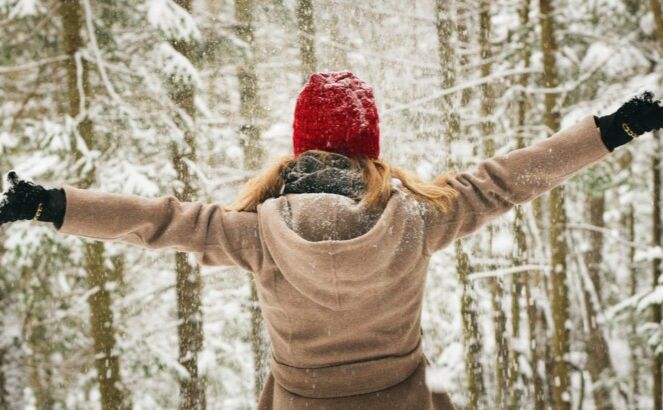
(334, 303)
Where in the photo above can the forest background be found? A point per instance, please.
(556, 305)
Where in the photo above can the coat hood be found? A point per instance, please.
(335, 251)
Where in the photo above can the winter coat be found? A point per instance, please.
(340, 288)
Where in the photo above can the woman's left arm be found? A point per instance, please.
(503, 181)
(215, 236)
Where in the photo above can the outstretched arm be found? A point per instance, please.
(519, 176)
(216, 237)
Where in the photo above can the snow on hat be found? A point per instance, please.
(336, 112)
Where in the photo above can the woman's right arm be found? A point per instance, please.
(501, 182)
(213, 235)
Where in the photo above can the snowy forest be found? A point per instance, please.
(556, 305)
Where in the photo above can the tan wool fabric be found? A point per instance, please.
(340, 287)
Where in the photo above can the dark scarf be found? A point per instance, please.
(334, 175)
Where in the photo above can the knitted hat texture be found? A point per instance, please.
(336, 112)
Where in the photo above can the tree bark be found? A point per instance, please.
(496, 284)
(12, 352)
(444, 26)
(306, 36)
(658, 20)
(657, 362)
(188, 282)
(476, 389)
(471, 333)
(536, 344)
(522, 282)
(657, 365)
(101, 320)
(598, 355)
(106, 360)
(253, 154)
(628, 220)
(248, 87)
(463, 17)
(557, 216)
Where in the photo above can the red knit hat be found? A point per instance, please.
(336, 112)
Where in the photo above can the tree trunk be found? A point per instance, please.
(39, 373)
(476, 389)
(657, 365)
(101, 319)
(496, 284)
(540, 333)
(657, 362)
(536, 345)
(522, 281)
(463, 17)
(338, 56)
(658, 19)
(444, 26)
(471, 333)
(188, 282)
(598, 354)
(248, 88)
(106, 360)
(12, 352)
(628, 220)
(559, 289)
(306, 36)
(253, 154)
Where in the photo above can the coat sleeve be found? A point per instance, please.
(215, 236)
(514, 178)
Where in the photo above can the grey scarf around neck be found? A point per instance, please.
(333, 176)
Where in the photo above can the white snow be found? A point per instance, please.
(176, 66)
(175, 22)
(24, 8)
(462, 149)
(437, 379)
(648, 254)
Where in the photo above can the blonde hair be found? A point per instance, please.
(376, 173)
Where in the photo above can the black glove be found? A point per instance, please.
(25, 200)
(641, 114)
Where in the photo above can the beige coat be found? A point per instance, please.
(341, 288)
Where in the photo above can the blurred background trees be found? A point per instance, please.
(556, 305)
